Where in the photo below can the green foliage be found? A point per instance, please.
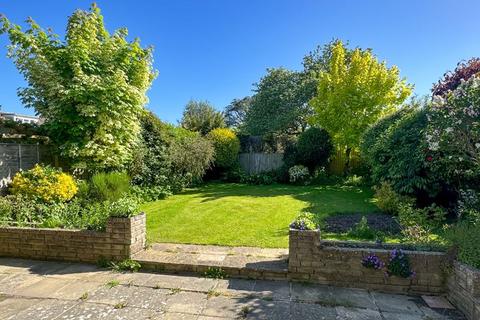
(168, 156)
(394, 149)
(215, 273)
(429, 217)
(453, 135)
(304, 221)
(354, 93)
(263, 178)
(147, 194)
(388, 200)
(468, 206)
(226, 146)
(190, 157)
(314, 147)
(465, 237)
(124, 207)
(298, 174)
(279, 104)
(362, 230)
(89, 88)
(22, 212)
(354, 181)
(236, 111)
(128, 265)
(109, 186)
(200, 116)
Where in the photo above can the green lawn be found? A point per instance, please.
(245, 215)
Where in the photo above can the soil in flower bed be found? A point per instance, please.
(343, 223)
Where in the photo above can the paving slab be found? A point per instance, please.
(14, 282)
(45, 288)
(92, 311)
(277, 290)
(261, 309)
(133, 296)
(11, 307)
(184, 282)
(345, 313)
(47, 309)
(396, 303)
(306, 311)
(186, 302)
(226, 307)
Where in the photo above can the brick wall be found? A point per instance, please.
(123, 237)
(464, 289)
(334, 263)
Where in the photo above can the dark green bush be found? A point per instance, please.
(394, 149)
(314, 147)
(264, 178)
(226, 146)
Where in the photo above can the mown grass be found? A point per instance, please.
(246, 215)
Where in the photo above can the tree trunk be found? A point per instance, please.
(346, 168)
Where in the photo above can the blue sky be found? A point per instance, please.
(216, 49)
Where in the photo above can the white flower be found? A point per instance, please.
(477, 145)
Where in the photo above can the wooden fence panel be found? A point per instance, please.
(253, 163)
(15, 156)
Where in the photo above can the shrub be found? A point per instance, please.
(109, 186)
(147, 194)
(263, 178)
(298, 174)
(394, 148)
(468, 206)
(226, 145)
(304, 221)
(388, 200)
(124, 207)
(314, 147)
(354, 181)
(190, 156)
(453, 136)
(362, 230)
(45, 184)
(465, 237)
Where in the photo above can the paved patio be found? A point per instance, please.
(50, 290)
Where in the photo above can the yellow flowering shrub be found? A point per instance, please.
(45, 184)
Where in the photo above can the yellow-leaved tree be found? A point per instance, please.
(353, 93)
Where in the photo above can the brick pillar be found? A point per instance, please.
(127, 235)
(302, 247)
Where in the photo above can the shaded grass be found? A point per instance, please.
(246, 215)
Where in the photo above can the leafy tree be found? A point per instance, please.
(169, 156)
(89, 88)
(354, 93)
(314, 147)
(236, 111)
(451, 80)
(453, 135)
(201, 116)
(226, 146)
(279, 104)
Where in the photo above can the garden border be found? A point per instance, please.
(122, 238)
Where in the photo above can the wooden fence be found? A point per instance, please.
(253, 162)
(15, 156)
(338, 160)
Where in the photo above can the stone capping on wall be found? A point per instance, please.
(464, 289)
(339, 264)
(122, 238)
